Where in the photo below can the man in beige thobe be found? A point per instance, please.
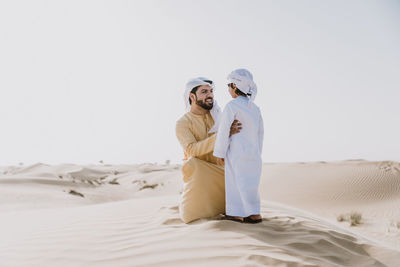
(204, 181)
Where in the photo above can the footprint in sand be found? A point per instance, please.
(174, 208)
(152, 186)
(173, 221)
(390, 166)
(75, 193)
(114, 181)
(144, 185)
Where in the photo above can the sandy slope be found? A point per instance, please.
(332, 189)
(126, 215)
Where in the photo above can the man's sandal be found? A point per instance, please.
(232, 218)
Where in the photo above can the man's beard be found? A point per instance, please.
(203, 104)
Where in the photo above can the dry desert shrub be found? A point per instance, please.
(354, 218)
(341, 218)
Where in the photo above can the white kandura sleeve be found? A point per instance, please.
(222, 142)
(261, 133)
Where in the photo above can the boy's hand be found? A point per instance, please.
(235, 128)
(220, 161)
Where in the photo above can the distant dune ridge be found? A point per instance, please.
(127, 215)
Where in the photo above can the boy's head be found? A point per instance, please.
(242, 80)
(234, 91)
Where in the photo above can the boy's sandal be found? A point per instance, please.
(249, 220)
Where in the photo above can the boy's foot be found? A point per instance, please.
(233, 218)
(253, 219)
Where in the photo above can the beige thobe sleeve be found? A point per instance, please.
(191, 146)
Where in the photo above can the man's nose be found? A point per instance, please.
(210, 94)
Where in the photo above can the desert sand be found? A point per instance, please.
(127, 215)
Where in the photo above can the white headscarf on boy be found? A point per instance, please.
(243, 80)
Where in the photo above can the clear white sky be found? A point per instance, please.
(83, 81)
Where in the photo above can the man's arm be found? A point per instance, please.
(190, 145)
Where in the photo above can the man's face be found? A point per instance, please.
(204, 97)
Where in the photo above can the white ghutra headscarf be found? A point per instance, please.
(215, 111)
(243, 80)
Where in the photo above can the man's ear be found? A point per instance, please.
(192, 97)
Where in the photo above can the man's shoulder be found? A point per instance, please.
(184, 120)
(185, 117)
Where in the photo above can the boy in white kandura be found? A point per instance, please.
(241, 153)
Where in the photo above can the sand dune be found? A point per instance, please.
(128, 216)
(332, 189)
